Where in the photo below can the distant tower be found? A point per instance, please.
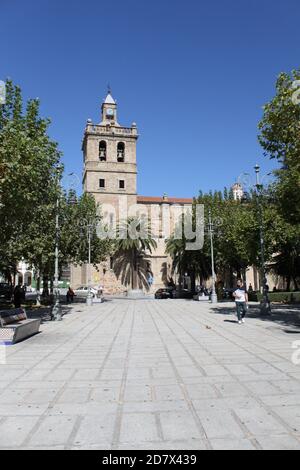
(238, 191)
(109, 153)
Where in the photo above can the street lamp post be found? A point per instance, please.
(214, 298)
(89, 227)
(89, 299)
(265, 308)
(56, 311)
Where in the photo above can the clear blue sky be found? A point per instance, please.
(193, 74)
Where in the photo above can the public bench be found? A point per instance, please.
(15, 326)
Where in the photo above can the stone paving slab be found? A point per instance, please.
(152, 375)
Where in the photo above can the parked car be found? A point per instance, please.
(202, 296)
(183, 294)
(164, 293)
(30, 294)
(6, 292)
(228, 293)
(84, 290)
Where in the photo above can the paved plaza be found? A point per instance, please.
(152, 375)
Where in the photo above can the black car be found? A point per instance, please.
(5, 292)
(165, 293)
(183, 294)
(228, 293)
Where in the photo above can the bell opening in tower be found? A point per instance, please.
(121, 152)
(102, 151)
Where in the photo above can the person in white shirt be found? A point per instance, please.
(241, 301)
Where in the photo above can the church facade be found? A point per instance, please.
(110, 175)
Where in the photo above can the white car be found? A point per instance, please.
(84, 290)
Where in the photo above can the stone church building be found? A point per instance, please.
(110, 174)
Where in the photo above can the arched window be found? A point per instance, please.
(121, 152)
(102, 151)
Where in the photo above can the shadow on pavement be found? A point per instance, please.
(284, 315)
(44, 313)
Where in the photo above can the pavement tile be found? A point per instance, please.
(283, 442)
(95, 430)
(14, 430)
(232, 444)
(139, 427)
(259, 422)
(53, 431)
(220, 424)
(177, 377)
(179, 425)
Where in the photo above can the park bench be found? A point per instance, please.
(15, 326)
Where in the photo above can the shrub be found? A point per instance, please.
(281, 297)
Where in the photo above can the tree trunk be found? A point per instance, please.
(231, 281)
(295, 283)
(38, 287)
(134, 273)
(245, 277)
(180, 280)
(193, 281)
(288, 283)
(45, 286)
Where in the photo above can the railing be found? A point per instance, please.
(96, 129)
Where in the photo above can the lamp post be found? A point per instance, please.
(89, 227)
(265, 308)
(56, 311)
(89, 299)
(214, 298)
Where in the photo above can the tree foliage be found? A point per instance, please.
(280, 139)
(133, 245)
(30, 176)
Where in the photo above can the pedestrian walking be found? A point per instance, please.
(241, 301)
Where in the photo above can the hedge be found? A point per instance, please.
(280, 297)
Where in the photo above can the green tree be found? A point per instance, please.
(236, 239)
(28, 161)
(196, 264)
(280, 139)
(30, 185)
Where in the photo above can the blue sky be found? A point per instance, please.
(193, 74)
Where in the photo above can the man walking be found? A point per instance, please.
(241, 301)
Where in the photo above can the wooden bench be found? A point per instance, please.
(15, 326)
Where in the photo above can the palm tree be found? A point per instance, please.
(195, 263)
(134, 243)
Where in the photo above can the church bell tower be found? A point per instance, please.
(109, 153)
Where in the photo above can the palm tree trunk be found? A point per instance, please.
(134, 270)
